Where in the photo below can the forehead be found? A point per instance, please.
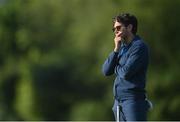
(117, 24)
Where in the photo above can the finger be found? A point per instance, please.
(118, 34)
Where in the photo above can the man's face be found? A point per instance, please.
(120, 30)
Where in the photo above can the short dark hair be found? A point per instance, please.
(126, 19)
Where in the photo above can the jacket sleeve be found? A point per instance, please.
(110, 63)
(136, 60)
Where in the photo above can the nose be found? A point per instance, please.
(117, 31)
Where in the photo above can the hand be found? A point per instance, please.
(117, 41)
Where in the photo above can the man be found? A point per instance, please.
(129, 62)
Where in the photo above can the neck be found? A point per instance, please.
(129, 38)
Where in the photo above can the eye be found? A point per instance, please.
(117, 28)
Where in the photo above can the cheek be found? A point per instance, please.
(125, 32)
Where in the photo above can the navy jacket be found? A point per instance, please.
(130, 67)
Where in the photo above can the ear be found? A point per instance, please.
(129, 27)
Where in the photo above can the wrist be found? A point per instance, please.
(116, 49)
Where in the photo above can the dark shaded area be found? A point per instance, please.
(56, 91)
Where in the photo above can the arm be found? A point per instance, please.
(137, 59)
(109, 64)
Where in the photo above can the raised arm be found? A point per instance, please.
(109, 64)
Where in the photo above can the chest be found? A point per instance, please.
(123, 57)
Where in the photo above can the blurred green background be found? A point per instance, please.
(52, 51)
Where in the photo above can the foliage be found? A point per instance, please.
(51, 53)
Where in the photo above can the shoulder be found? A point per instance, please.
(139, 44)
